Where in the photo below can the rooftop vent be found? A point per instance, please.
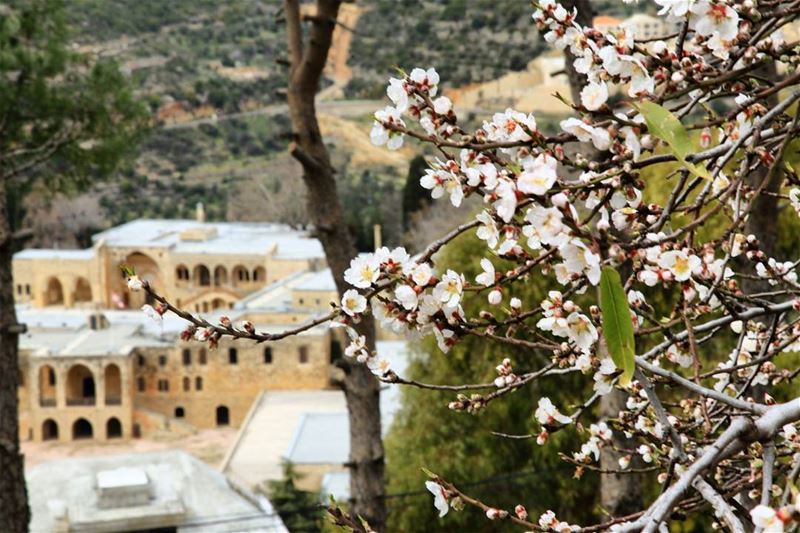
(199, 234)
(123, 487)
(97, 321)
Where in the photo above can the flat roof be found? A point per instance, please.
(186, 493)
(320, 438)
(224, 238)
(277, 296)
(55, 253)
(299, 424)
(66, 332)
(125, 476)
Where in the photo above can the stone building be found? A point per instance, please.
(167, 491)
(94, 366)
(199, 265)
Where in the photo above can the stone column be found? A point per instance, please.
(61, 386)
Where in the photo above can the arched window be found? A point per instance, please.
(82, 429)
(55, 293)
(302, 353)
(187, 357)
(187, 384)
(113, 428)
(201, 276)
(83, 291)
(141, 385)
(113, 383)
(260, 274)
(267, 355)
(198, 383)
(182, 273)
(47, 386)
(49, 430)
(201, 356)
(223, 416)
(179, 412)
(220, 276)
(80, 386)
(233, 356)
(240, 275)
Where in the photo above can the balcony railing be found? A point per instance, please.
(72, 402)
(113, 400)
(47, 402)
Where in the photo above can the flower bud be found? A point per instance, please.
(521, 512)
(495, 297)
(560, 200)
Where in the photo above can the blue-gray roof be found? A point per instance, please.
(320, 438)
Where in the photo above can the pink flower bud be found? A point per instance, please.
(521, 512)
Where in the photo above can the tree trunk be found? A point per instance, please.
(14, 511)
(619, 494)
(584, 18)
(324, 207)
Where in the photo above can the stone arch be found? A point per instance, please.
(220, 276)
(147, 269)
(47, 386)
(80, 386)
(182, 273)
(82, 429)
(83, 291)
(218, 303)
(180, 412)
(113, 384)
(201, 276)
(49, 430)
(223, 415)
(259, 275)
(240, 275)
(54, 294)
(113, 428)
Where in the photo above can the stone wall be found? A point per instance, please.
(165, 381)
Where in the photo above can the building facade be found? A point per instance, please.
(93, 366)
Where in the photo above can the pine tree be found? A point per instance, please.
(65, 120)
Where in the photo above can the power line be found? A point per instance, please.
(492, 480)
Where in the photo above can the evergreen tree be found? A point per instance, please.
(461, 446)
(65, 120)
(300, 510)
(415, 196)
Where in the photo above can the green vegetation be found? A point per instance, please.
(460, 446)
(299, 509)
(466, 41)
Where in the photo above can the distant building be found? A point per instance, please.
(604, 23)
(200, 266)
(94, 366)
(646, 27)
(643, 27)
(310, 429)
(148, 492)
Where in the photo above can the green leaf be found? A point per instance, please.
(791, 156)
(127, 270)
(665, 126)
(617, 324)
